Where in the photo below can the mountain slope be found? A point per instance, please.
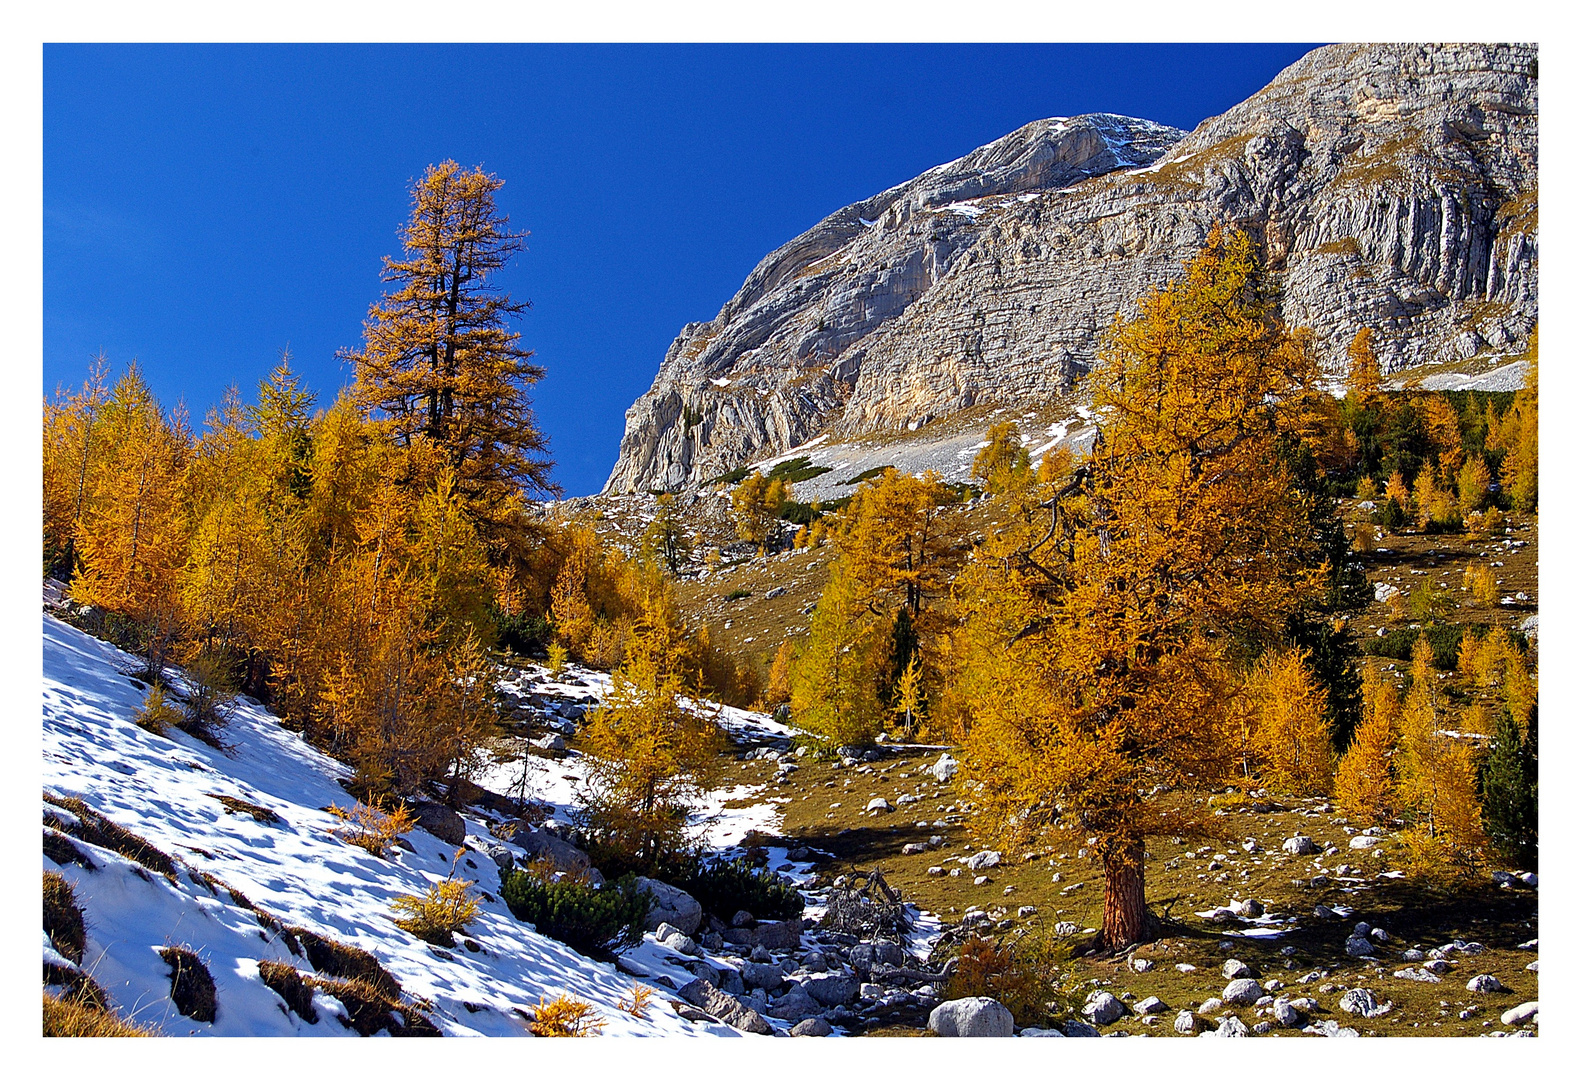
(1395, 186)
(229, 864)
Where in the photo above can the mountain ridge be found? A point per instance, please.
(1391, 186)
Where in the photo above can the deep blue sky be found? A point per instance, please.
(206, 206)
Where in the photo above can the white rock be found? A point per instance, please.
(1102, 1008)
(878, 806)
(1362, 843)
(983, 860)
(945, 768)
(1300, 845)
(1485, 984)
(1521, 1013)
(972, 1017)
(1242, 992)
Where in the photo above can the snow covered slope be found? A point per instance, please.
(165, 791)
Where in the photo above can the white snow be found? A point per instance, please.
(965, 209)
(160, 789)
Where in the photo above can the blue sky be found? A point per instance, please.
(207, 206)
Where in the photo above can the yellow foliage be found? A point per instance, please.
(1363, 782)
(648, 756)
(1479, 581)
(637, 1007)
(557, 659)
(1003, 461)
(834, 678)
(1395, 489)
(1518, 473)
(1472, 484)
(1092, 656)
(564, 1016)
(1365, 375)
(439, 361)
(1366, 489)
(445, 909)
(756, 504)
(373, 826)
(779, 689)
(1290, 736)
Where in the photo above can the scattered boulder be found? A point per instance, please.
(1486, 984)
(1230, 1027)
(671, 905)
(1242, 992)
(794, 1005)
(944, 769)
(879, 806)
(742, 920)
(1103, 1008)
(554, 744)
(983, 860)
(725, 1008)
(815, 1027)
(441, 821)
(1185, 1022)
(563, 856)
(1362, 1002)
(767, 976)
(1076, 1029)
(1358, 946)
(1520, 1014)
(832, 990)
(1149, 1006)
(972, 1017)
(1287, 1015)
(1238, 969)
(1363, 843)
(1300, 845)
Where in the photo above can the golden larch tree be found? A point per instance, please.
(439, 360)
(1364, 780)
(1095, 649)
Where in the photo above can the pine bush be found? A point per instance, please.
(590, 920)
(1509, 795)
(725, 888)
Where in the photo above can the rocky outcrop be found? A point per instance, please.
(1393, 186)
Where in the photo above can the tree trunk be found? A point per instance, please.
(1126, 920)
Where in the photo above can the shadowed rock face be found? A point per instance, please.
(1393, 187)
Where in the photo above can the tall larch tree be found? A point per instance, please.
(1097, 646)
(439, 359)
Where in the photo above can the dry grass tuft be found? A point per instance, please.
(261, 814)
(294, 990)
(63, 918)
(369, 1010)
(191, 985)
(68, 1019)
(94, 828)
(80, 988)
(347, 962)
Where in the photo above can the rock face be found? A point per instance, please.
(1394, 187)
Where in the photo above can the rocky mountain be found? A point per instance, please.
(1393, 186)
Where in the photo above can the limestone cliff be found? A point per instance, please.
(1394, 186)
